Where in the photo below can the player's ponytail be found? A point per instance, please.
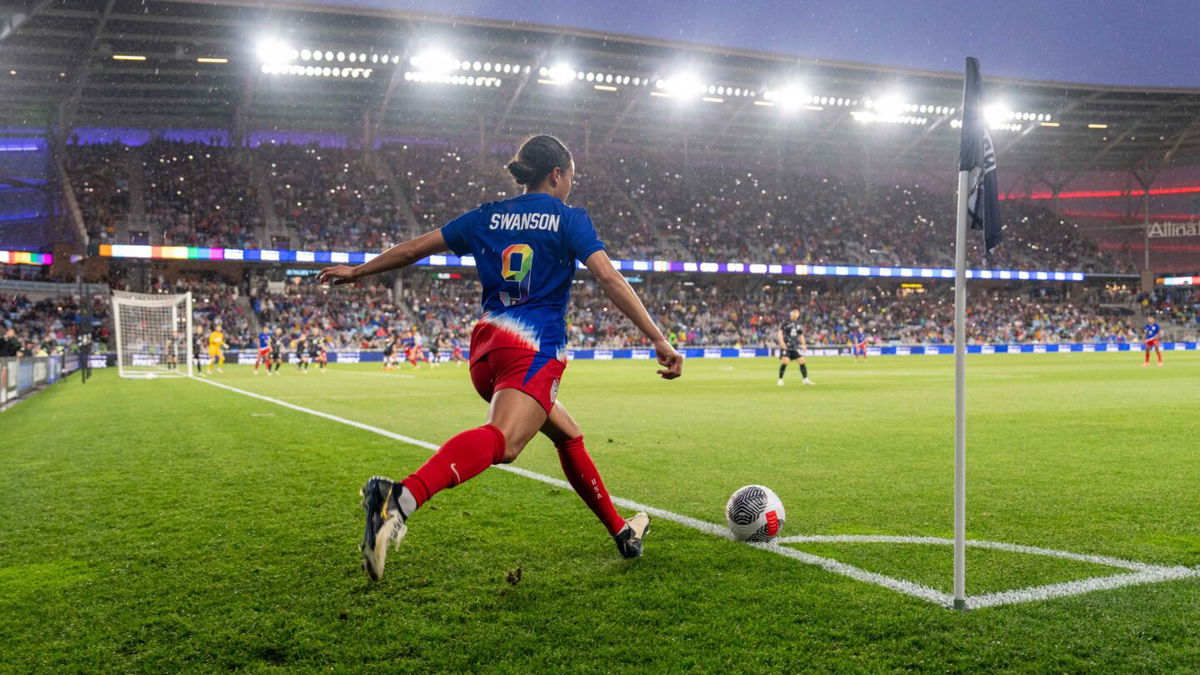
(537, 157)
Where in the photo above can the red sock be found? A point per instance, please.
(1147, 356)
(458, 460)
(583, 476)
(1158, 354)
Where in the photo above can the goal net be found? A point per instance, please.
(153, 334)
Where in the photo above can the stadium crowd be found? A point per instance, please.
(199, 195)
(46, 326)
(329, 198)
(99, 176)
(651, 208)
(348, 317)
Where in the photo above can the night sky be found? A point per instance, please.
(1126, 42)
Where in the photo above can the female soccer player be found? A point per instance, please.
(1153, 333)
(525, 250)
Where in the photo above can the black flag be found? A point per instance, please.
(977, 156)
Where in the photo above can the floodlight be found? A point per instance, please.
(561, 73)
(435, 61)
(997, 113)
(273, 51)
(682, 84)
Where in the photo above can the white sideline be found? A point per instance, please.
(1141, 572)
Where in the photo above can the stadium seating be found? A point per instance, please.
(199, 195)
(649, 208)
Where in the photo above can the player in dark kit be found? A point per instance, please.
(390, 348)
(199, 346)
(316, 350)
(525, 250)
(302, 353)
(1153, 333)
(276, 351)
(792, 346)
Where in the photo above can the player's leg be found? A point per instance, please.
(584, 477)
(804, 371)
(1146, 362)
(783, 364)
(1158, 352)
(513, 419)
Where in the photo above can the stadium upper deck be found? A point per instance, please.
(238, 66)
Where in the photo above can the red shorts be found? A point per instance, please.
(264, 351)
(512, 368)
(1152, 343)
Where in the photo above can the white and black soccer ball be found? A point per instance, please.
(754, 513)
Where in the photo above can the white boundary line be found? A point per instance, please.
(1141, 573)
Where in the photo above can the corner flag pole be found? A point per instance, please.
(960, 395)
(978, 209)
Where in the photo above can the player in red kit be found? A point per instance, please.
(525, 250)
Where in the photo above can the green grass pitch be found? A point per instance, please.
(165, 525)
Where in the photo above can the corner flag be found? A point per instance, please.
(977, 156)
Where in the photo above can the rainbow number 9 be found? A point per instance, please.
(517, 263)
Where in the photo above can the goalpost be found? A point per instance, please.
(154, 334)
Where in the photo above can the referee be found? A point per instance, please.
(792, 346)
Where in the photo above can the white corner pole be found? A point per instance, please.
(960, 396)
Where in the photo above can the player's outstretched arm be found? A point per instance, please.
(400, 255)
(622, 295)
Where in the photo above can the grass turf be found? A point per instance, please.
(163, 525)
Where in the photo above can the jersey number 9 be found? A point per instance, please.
(517, 263)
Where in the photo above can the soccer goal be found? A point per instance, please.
(153, 334)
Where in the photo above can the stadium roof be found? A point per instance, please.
(241, 66)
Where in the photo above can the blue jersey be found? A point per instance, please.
(264, 340)
(525, 250)
(1152, 330)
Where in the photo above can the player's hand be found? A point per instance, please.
(670, 360)
(336, 275)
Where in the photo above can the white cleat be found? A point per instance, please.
(809, 382)
(629, 539)
(780, 383)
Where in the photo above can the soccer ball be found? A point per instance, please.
(754, 513)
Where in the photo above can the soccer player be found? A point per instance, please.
(316, 349)
(276, 350)
(858, 344)
(1153, 333)
(264, 351)
(435, 350)
(302, 352)
(792, 346)
(456, 351)
(198, 349)
(390, 347)
(415, 350)
(216, 348)
(172, 351)
(525, 250)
